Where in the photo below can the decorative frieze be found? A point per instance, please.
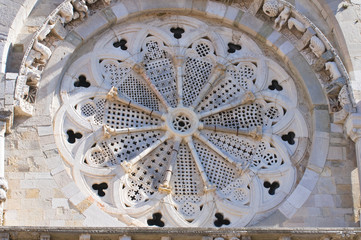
(313, 38)
(40, 50)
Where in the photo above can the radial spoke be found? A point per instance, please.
(246, 98)
(208, 186)
(114, 96)
(178, 66)
(108, 131)
(128, 165)
(240, 166)
(216, 76)
(255, 132)
(138, 69)
(165, 186)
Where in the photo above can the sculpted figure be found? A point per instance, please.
(106, 2)
(66, 12)
(81, 8)
(282, 18)
(333, 89)
(44, 50)
(293, 22)
(333, 69)
(31, 57)
(33, 75)
(46, 30)
(344, 97)
(317, 46)
(271, 8)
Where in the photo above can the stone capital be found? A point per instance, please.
(353, 126)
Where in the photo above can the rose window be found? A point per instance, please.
(177, 130)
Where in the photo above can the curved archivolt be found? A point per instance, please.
(180, 130)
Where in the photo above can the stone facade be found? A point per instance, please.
(313, 41)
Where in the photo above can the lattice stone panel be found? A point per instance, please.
(189, 133)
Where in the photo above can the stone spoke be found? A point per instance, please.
(215, 77)
(114, 96)
(207, 184)
(108, 131)
(246, 98)
(165, 186)
(179, 77)
(255, 132)
(128, 165)
(215, 148)
(139, 70)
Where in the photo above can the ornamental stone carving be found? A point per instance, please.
(172, 100)
(317, 46)
(282, 18)
(333, 69)
(271, 8)
(180, 129)
(293, 22)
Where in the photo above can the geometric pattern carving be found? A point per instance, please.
(181, 130)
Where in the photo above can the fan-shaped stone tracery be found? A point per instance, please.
(185, 136)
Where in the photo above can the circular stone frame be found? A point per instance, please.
(247, 23)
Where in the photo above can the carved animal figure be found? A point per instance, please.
(66, 12)
(293, 22)
(317, 46)
(81, 8)
(333, 69)
(46, 30)
(282, 18)
(44, 50)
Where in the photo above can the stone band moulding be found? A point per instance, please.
(183, 121)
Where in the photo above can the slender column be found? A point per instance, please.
(353, 129)
(3, 182)
(2, 148)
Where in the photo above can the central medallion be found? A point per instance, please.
(181, 121)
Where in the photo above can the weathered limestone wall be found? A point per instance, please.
(332, 202)
(35, 199)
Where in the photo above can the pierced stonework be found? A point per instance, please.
(180, 135)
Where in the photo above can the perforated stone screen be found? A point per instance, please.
(178, 122)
